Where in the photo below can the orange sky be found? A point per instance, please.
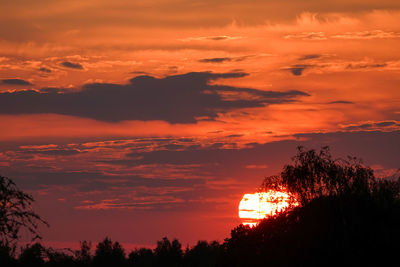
(223, 94)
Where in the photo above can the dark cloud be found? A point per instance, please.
(224, 59)
(310, 56)
(215, 60)
(44, 178)
(341, 102)
(218, 38)
(176, 99)
(174, 147)
(365, 66)
(92, 181)
(371, 126)
(43, 69)
(212, 38)
(297, 70)
(364, 126)
(234, 135)
(385, 123)
(15, 82)
(71, 65)
(53, 152)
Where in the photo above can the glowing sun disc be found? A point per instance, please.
(257, 206)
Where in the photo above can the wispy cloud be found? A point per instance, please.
(312, 36)
(360, 35)
(367, 35)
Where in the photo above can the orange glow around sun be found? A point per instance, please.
(257, 206)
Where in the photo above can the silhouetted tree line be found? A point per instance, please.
(341, 216)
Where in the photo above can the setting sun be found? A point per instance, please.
(257, 206)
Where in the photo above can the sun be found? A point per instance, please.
(257, 206)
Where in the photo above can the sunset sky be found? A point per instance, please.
(144, 119)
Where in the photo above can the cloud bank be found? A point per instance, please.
(175, 99)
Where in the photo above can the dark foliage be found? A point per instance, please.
(168, 253)
(109, 253)
(59, 258)
(142, 257)
(204, 254)
(33, 255)
(315, 174)
(6, 256)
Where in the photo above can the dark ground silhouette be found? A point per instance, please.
(346, 217)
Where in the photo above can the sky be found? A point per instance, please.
(144, 119)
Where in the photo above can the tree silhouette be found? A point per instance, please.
(203, 254)
(59, 257)
(168, 253)
(32, 255)
(7, 256)
(109, 253)
(16, 213)
(83, 256)
(315, 174)
(142, 257)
